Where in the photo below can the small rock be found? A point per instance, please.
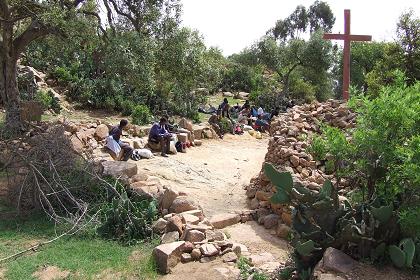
(271, 221)
(294, 160)
(119, 168)
(335, 260)
(190, 219)
(194, 236)
(168, 198)
(170, 237)
(187, 247)
(185, 258)
(207, 259)
(175, 224)
(182, 204)
(230, 257)
(254, 204)
(224, 220)
(215, 235)
(283, 231)
(160, 225)
(263, 196)
(167, 255)
(209, 250)
(196, 254)
(262, 258)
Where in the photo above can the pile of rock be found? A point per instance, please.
(290, 136)
(187, 235)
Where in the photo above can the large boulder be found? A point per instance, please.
(101, 132)
(224, 220)
(168, 255)
(119, 168)
(186, 124)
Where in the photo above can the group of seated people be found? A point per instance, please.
(160, 133)
(246, 115)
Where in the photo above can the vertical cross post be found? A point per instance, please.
(347, 38)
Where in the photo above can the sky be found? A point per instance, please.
(233, 25)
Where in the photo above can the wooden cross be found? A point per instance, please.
(347, 37)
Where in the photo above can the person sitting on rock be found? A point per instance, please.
(159, 134)
(244, 115)
(115, 144)
(214, 121)
(262, 124)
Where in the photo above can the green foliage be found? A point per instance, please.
(318, 16)
(48, 101)
(225, 125)
(305, 248)
(127, 219)
(383, 213)
(403, 255)
(141, 115)
(409, 219)
(246, 270)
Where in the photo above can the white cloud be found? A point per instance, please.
(235, 24)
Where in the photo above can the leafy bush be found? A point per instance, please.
(127, 219)
(141, 115)
(48, 101)
(225, 125)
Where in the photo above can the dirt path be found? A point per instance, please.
(213, 174)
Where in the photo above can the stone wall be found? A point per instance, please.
(291, 134)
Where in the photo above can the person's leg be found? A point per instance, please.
(128, 151)
(163, 146)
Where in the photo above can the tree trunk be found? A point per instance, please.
(8, 80)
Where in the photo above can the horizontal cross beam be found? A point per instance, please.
(347, 37)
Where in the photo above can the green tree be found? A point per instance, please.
(311, 59)
(319, 16)
(408, 34)
(22, 22)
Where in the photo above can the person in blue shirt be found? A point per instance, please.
(160, 134)
(116, 132)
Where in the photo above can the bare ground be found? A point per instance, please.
(214, 174)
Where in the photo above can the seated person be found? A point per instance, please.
(244, 115)
(263, 124)
(114, 143)
(246, 104)
(274, 113)
(159, 134)
(214, 121)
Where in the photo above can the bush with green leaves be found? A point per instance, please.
(141, 115)
(48, 100)
(127, 218)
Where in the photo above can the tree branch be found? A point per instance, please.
(34, 31)
(128, 16)
(4, 8)
(99, 21)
